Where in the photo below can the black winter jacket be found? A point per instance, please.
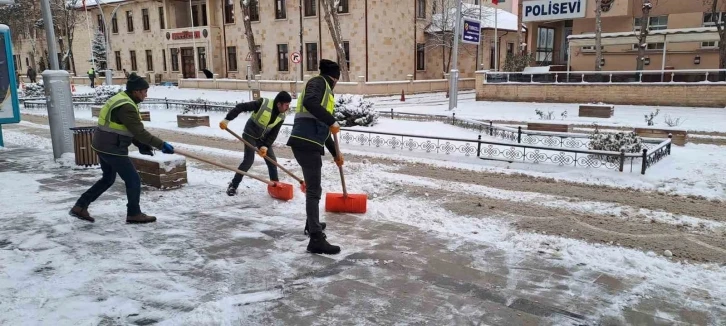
(254, 106)
(314, 92)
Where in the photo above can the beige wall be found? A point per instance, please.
(695, 95)
(436, 58)
(620, 18)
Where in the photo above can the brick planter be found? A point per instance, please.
(145, 115)
(192, 120)
(162, 171)
(553, 127)
(596, 111)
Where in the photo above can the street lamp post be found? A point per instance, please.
(454, 76)
(109, 52)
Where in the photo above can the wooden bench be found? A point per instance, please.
(145, 115)
(596, 111)
(192, 120)
(554, 127)
(680, 137)
(162, 171)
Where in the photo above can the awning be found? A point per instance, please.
(682, 35)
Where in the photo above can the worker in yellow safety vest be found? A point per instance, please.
(313, 124)
(92, 77)
(119, 126)
(261, 130)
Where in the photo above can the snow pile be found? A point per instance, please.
(167, 162)
(351, 111)
(615, 142)
(105, 92)
(34, 90)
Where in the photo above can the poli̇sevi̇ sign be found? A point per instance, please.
(552, 9)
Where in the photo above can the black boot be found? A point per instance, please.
(318, 245)
(322, 224)
(231, 189)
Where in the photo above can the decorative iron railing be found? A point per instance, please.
(642, 76)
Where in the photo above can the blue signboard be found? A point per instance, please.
(9, 107)
(472, 31)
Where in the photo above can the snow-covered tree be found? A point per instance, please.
(65, 18)
(643, 35)
(718, 9)
(598, 35)
(354, 110)
(98, 47)
(331, 18)
(247, 7)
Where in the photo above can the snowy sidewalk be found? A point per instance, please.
(213, 259)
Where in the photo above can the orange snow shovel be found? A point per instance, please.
(345, 202)
(301, 181)
(277, 190)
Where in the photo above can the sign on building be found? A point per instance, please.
(540, 10)
(471, 31)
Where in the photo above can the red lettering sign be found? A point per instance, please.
(185, 35)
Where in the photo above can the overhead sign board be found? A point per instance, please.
(471, 31)
(540, 10)
(9, 106)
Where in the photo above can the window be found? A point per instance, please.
(420, 56)
(310, 8)
(229, 11)
(114, 24)
(129, 22)
(421, 9)
(174, 59)
(282, 61)
(346, 50)
(134, 67)
(27, 62)
(145, 19)
(162, 25)
(231, 58)
(510, 48)
(254, 11)
(280, 12)
(163, 59)
(100, 23)
(545, 45)
(311, 56)
(343, 7)
(117, 56)
(654, 23)
(202, 57)
(195, 16)
(710, 20)
(204, 14)
(149, 61)
(258, 52)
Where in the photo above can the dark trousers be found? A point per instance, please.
(93, 82)
(311, 163)
(111, 165)
(249, 158)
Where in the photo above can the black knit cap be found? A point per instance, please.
(136, 83)
(283, 97)
(329, 68)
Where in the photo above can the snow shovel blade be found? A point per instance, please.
(280, 190)
(340, 203)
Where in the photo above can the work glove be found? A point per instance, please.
(167, 148)
(335, 128)
(146, 150)
(262, 151)
(223, 124)
(339, 159)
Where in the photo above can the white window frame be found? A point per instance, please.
(651, 27)
(722, 16)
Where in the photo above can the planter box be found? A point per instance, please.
(162, 171)
(96, 110)
(145, 115)
(553, 127)
(680, 137)
(192, 120)
(596, 111)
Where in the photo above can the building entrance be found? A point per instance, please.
(188, 68)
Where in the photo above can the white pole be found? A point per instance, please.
(478, 46)
(90, 37)
(496, 40)
(454, 76)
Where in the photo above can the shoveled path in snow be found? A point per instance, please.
(213, 259)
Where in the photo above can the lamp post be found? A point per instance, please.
(454, 76)
(109, 52)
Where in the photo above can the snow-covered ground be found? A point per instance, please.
(694, 169)
(181, 272)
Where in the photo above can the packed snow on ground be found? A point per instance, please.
(88, 283)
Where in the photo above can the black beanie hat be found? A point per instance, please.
(136, 83)
(283, 97)
(329, 68)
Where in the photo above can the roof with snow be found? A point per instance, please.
(674, 35)
(445, 21)
(93, 3)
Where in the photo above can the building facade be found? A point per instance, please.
(384, 40)
(549, 28)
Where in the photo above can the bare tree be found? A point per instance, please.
(23, 18)
(249, 34)
(440, 27)
(331, 17)
(65, 19)
(717, 17)
(643, 35)
(598, 35)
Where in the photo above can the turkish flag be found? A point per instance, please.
(496, 2)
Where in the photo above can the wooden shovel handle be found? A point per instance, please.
(267, 158)
(340, 168)
(187, 154)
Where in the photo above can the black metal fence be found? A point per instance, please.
(644, 76)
